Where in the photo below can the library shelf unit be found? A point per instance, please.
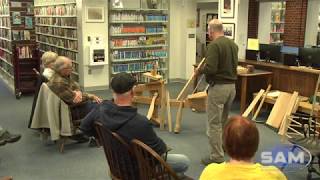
(139, 38)
(57, 30)
(18, 50)
(277, 22)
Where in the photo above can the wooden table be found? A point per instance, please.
(245, 77)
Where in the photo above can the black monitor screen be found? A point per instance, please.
(310, 56)
(270, 52)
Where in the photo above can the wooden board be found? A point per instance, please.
(184, 92)
(279, 110)
(253, 104)
(178, 118)
(291, 107)
(261, 103)
(152, 106)
(169, 112)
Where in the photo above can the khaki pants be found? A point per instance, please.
(220, 98)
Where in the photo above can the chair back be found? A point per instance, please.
(122, 163)
(151, 165)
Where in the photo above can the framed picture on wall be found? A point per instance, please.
(227, 9)
(94, 14)
(229, 30)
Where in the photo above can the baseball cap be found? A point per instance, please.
(122, 82)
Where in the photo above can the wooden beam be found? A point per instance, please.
(169, 112)
(183, 93)
(178, 118)
(253, 104)
(261, 103)
(152, 105)
(290, 108)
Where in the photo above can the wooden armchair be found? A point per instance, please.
(151, 165)
(121, 160)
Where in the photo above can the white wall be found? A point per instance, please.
(312, 23)
(264, 27)
(242, 28)
(182, 49)
(205, 8)
(97, 77)
(241, 24)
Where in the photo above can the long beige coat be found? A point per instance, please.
(51, 112)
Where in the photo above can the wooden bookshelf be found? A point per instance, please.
(277, 22)
(18, 51)
(57, 30)
(139, 38)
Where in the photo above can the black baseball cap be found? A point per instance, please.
(122, 82)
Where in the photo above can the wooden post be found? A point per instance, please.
(178, 118)
(169, 112)
(261, 103)
(152, 106)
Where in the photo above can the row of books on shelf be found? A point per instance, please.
(24, 52)
(5, 21)
(57, 21)
(5, 67)
(5, 44)
(136, 29)
(140, 66)
(65, 43)
(133, 16)
(5, 55)
(56, 31)
(63, 10)
(138, 41)
(61, 52)
(5, 33)
(139, 54)
(4, 9)
(19, 35)
(4, 2)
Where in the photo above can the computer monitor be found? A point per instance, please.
(290, 55)
(310, 57)
(270, 52)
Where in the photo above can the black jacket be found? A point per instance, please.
(125, 121)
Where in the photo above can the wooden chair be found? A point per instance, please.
(151, 165)
(122, 162)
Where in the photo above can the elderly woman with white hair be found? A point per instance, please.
(48, 59)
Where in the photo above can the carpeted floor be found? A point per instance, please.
(32, 159)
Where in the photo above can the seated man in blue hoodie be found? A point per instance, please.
(119, 116)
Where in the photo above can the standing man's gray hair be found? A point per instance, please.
(215, 25)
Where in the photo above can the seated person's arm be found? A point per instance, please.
(64, 91)
(86, 96)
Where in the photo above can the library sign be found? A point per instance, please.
(288, 156)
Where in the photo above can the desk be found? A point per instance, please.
(288, 78)
(244, 77)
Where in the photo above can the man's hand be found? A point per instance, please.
(197, 71)
(7, 178)
(97, 99)
(77, 97)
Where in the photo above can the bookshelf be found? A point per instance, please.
(139, 37)
(277, 22)
(57, 30)
(18, 51)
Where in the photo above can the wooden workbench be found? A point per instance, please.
(288, 78)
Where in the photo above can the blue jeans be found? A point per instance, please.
(179, 163)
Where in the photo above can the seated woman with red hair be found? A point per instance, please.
(240, 141)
